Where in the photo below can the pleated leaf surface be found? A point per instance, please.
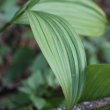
(63, 50)
(84, 15)
(97, 84)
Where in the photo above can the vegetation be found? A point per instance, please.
(73, 38)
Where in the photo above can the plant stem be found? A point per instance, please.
(10, 22)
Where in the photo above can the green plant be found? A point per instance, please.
(55, 24)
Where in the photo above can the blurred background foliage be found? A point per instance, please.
(26, 80)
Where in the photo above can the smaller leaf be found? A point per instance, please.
(35, 80)
(97, 83)
(41, 66)
(38, 102)
(40, 63)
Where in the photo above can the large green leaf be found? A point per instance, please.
(87, 18)
(97, 83)
(63, 50)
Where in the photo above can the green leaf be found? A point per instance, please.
(38, 102)
(21, 61)
(97, 83)
(63, 50)
(40, 63)
(41, 67)
(35, 81)
(84, 15)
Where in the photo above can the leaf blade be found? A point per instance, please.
(63, 51)
(85, 16)
(97, 83)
